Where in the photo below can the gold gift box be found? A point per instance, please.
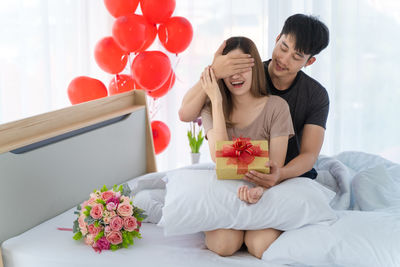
(230, 171)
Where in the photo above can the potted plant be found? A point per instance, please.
(195, 140)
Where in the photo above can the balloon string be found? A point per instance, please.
(178, 60)
(154, 107)
(130, 60)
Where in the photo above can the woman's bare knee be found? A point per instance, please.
(258, 241)
(224, 242)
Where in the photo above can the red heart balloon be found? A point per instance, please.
(161, 136)
(175, 34)
(121, 83)
(157, 11)
(119, 8)
(164, 89)
(109, 56)
(132, 31)
(151, 69)
(83, 88)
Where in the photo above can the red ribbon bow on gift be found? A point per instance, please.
(241, 153)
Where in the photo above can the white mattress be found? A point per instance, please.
(44, 246)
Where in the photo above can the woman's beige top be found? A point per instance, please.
(273, 121)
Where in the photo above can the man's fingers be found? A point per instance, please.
(221, 48)
(213, 79)
(241, 60)
(207, 75)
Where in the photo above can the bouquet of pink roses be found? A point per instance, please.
(108, 220)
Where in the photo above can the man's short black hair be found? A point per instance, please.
(311, 35)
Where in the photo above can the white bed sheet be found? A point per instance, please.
(46, 246)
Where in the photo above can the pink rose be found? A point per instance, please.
(107, 215)
(91, 202)
(89, 239)
(93, 230)
(102, 244)
(130, 223)
(82, 224)
(107, 229)
(114, 237)
(116, 223)
(125, 209)
(84, 204)
(107, 195)
(125, 199)
(111, 206)
(97, 211)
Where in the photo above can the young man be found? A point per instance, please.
(302, 37)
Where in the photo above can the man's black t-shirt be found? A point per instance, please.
(309, 104)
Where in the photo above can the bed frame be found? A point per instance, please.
(51, 162)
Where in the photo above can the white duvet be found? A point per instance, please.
(367, 232)
(367, 203)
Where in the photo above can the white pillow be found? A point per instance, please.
(375, 189)
(196, 201)
(357, 238)
(148, 181)
(152, 202)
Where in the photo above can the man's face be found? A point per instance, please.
(286, 61)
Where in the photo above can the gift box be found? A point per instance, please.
(235, 158)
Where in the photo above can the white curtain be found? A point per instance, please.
(44, 44)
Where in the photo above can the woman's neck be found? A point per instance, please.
(245, 101)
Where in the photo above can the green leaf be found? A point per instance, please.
(78, 236)
(101, 201)
(75, 227)
(89, 220)
(104, 188)
(114, 247)
(98, 236)
(139, 214)
(126, 190)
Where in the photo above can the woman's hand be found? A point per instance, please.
(210, 86)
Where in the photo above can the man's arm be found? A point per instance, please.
(223, 66)
(311, 144)
(192, 103)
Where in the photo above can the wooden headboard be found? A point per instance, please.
(51, 162)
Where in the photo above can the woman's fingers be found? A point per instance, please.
(241, 192)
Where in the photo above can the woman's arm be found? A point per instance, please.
(218, 132)
(277, 149)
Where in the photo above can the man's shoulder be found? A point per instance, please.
(307, 83)
(310, 82)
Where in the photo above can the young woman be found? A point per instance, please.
(239, 105)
